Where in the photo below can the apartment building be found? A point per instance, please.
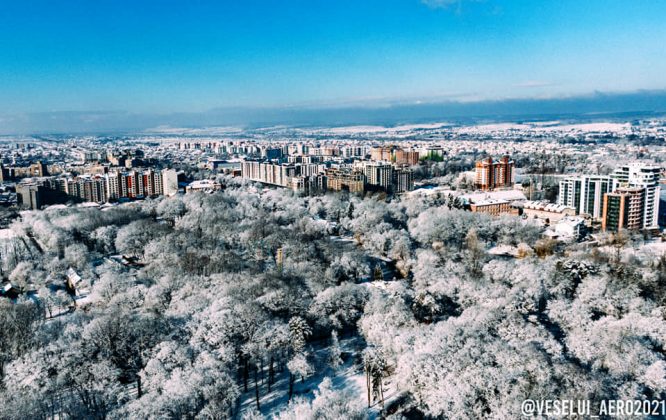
(491, 174)
(624, 209)
(585, 193)
(648, 178)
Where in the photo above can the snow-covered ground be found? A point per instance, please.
(348, 377)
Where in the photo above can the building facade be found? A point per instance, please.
(379, 175)
(648, 178)
(339, 179)
(491, 174)
(585, 193)
(624, 209)
(492, 207)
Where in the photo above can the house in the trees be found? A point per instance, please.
(9, 291)
(75, 284)
(569, 229)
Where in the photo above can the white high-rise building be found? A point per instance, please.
(647, 177)
(585, 193)
(170, 182)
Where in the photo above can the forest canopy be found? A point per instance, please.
(257, 302)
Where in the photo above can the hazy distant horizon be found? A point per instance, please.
(102, 66)
(593, 107)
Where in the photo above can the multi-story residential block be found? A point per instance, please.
(30, 196)
(344, 180)
(271, 153)
(624, 209)
(585, 193)
(648, 178)
(353, 151)
(37, 169)
(491, 174)
(406, 157)
(379, 175)
(403, 180)
(381, 154)
(169, 182)
(269, 173)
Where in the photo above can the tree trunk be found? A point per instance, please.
(381, 390)
(138, 387)
(291, 385)
(368, 385)
(256, 388)
(271, 375)
(246, 374)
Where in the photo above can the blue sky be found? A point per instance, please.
(168, 56)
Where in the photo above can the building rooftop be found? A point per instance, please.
(544, 205)
(489, 201)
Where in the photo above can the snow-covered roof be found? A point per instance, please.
(571, 221)
(73, 276)
(545, 206)
(203, 183)
(489, 201)
(508, 195)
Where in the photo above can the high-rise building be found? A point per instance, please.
(646, 177)
(380, 154)
(30, 196)
(406, 157)
(379, 175)
(624, 209)
(585, 193)
(353, 151)
(491, 174)
(403, 180)
(113, 185)
(169, 182)
(271, 153)
(278, 174)
(344, 180)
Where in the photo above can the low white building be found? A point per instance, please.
(570, 228)
(204, 185)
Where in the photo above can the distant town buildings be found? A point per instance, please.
(98, 170)
(361, 176)
(112, 186)
(18, 172)
(491, 174)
